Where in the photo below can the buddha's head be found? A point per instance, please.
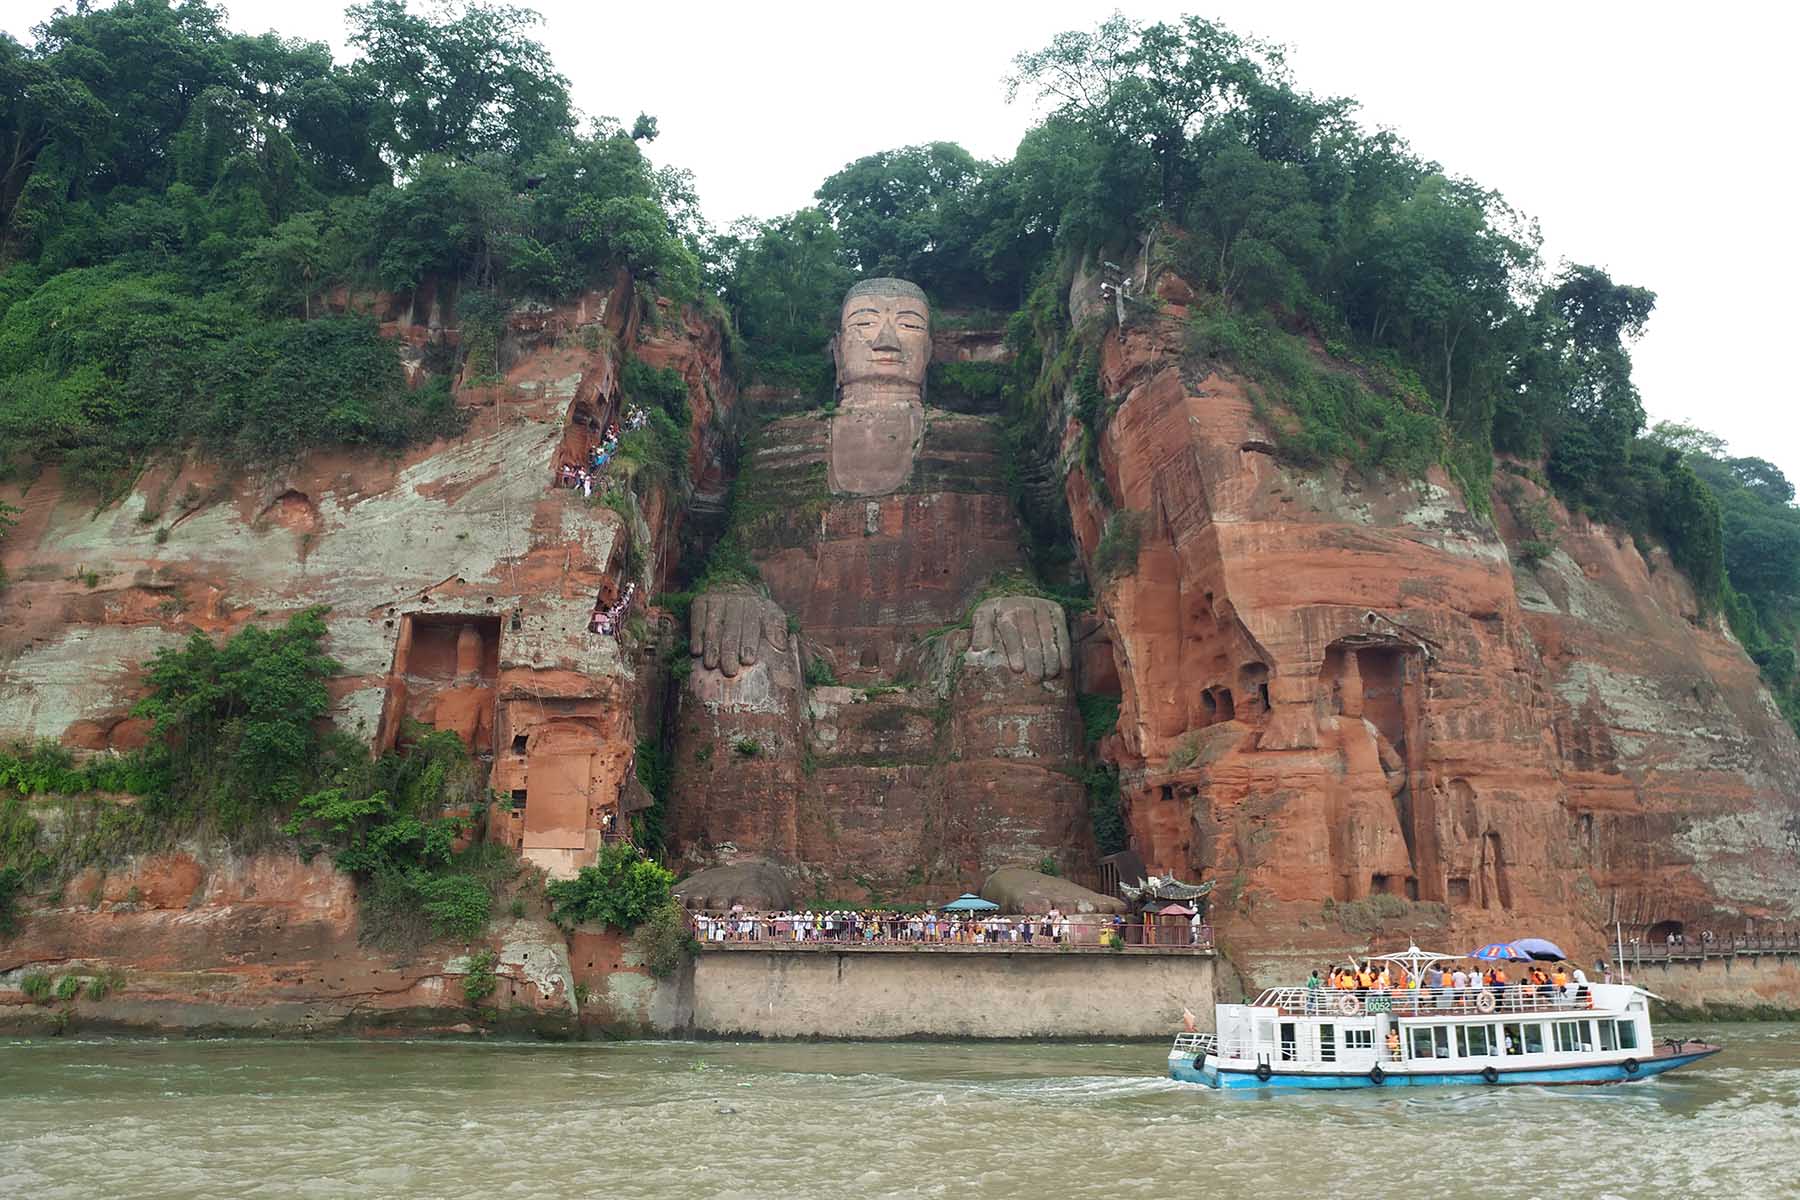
(884, 335)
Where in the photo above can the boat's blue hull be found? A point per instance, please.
(1184, 1071)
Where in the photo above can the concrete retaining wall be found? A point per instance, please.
(988, 994)
(1763, 985)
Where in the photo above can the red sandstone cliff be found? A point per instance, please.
(1341, 698)
(1344, 702)
(460, 583)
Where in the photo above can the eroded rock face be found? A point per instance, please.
(1017, 890)
(459, 579)
(875, 532)
(197, 941)
(1342, 701)
(460, 583)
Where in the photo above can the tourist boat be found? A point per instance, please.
(1324, 1038)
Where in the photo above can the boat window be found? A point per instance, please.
(1441, 1038)
(1513, 1038)
(1327, 1042)
(1358, 1039)
(1609, 1037)
(1534, 1039)
(1627, 1034)
(1478, 1039)
(1567, 1036)
(1421, 1041)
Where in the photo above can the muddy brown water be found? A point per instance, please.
(699, 1120)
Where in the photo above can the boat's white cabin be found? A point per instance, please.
(1433, 1029)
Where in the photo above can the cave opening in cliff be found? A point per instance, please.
(1253, 683)
(448, 646)
(445, 667)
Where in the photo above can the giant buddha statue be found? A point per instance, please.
(935, 739)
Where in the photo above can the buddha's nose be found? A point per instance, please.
(887, 337)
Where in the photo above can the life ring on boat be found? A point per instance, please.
(1631, 1066)
(1263, 1072)
(1489, 1075)
(1347, 1005)
(1377, 1076)
(1484, 1001)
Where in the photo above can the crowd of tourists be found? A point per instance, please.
(606, 620)
(868, 927)
(585, 475)
(1536, 985)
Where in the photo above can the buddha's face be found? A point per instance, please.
(884, 339)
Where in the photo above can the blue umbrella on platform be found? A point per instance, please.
(969, 902)
(1500, 952)
(1539, 948)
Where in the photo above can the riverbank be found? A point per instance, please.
(785, 993)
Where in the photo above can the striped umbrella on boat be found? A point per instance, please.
(1500, 952)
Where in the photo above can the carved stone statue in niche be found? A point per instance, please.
(916, 521)
(881, 350)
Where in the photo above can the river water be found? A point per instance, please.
(716, 1119)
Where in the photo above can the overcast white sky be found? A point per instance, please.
(1653, 140)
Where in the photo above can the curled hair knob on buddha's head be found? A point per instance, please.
(884, 285)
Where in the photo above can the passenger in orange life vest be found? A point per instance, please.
(1393, 1044)
(1559, 977)
(1365, 978)
(1383, 981)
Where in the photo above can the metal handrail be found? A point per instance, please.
(1704, 948)
(1197, 1043)
(1412, 1002)
(1079, 930)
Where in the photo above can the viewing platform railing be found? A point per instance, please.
(1702, 948)
(895, 931)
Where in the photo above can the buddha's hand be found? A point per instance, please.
(1030, 632)
(729, 625)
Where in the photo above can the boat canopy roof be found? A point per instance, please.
(1414, 959)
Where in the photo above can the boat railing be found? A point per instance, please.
(1427, 1002)
(1238, 1048)
(1197, 1043)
